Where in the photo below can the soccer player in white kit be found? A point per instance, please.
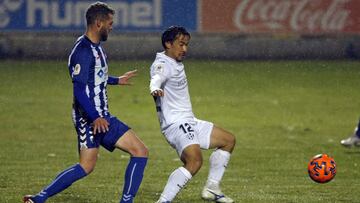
(181, 129)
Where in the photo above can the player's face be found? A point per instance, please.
(106, 27)
(177, 50)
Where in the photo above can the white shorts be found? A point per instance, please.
(188, 132)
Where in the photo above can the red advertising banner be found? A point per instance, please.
(281, 16)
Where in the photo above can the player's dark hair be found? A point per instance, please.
(98, 10)
(172, 33)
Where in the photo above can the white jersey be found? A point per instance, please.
(169, 75)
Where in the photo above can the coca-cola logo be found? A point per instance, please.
(292, 15)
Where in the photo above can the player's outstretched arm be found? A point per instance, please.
(125, 79)
(122, 80)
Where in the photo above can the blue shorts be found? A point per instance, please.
(86, 139)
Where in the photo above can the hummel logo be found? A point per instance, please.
(83, 145)
(217, 197)
(126, 197)
(42, 193)
(180, 186)
(82, 137)
(82, 130)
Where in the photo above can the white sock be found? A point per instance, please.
(176, 182)
(218, 163)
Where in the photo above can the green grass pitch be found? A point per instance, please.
(282, 113)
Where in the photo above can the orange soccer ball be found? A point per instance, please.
(322, 168)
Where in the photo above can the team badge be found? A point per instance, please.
(190, 136)
(77, 69)
(159, 69)
(100, 73)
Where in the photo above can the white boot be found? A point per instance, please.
(215, 195)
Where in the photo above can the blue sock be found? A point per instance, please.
(133, 177)
(60, 183)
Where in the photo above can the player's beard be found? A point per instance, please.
(180, 58)
(103, 34)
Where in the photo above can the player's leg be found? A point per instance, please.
(222, 139)
(224, 143)
(122, 137)
(68, 176)
(354, 139)
(88, 151)
(131, 144)
(192, 158)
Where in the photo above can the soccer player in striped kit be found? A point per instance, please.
(94, 124)
(181, 129)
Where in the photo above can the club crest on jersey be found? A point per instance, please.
(77, 69)
(100, 73)
(159, 69)
(190, 136)
(182, 82)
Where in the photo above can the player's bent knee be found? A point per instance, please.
(193, 168)
(194, 165)
(143, 152)
(139, 151)
(232, 139)
(88, 167)
(197, 164)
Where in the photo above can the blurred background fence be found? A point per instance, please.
(221, 29)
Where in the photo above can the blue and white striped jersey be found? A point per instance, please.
(88, 69)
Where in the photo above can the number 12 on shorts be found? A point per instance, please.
(188, 131)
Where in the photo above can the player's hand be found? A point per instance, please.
(124, 79)
(101, 125)
(157, 93)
